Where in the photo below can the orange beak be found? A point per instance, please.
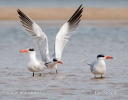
(109, 57)
(60, 62)
(23, 51)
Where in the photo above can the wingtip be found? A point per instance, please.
(77, 13)
(80, 8)
(81, 5)
(18, 10)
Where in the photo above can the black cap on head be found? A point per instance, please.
(101, 55)
(31, 49)
(54, 59)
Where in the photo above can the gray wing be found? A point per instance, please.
(66, 31)
(92, 65)
(39, 36)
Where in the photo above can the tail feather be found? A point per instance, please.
(89, 64)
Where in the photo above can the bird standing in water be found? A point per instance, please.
(99, 67)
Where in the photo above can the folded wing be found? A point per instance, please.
(39, 36)
(66, 31)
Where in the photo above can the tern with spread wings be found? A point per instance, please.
(41, 41)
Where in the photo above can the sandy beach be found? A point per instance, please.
(64, 13)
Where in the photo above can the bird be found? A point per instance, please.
(41, 41)
(99, 67)
(34, 65)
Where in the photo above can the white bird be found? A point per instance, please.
(41, 40)
(34, 65)
(99, 66)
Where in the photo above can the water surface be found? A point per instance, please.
(74, 80)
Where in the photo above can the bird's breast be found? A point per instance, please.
(35, 67)
(99, 68)
(51, 65)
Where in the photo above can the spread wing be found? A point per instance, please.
(66, 31)
(39, 36)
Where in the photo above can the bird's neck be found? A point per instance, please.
(51, 64)
(101, 61)
(32, 56)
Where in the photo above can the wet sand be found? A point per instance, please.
(64, 13)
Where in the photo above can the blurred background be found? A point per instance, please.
(58, 10)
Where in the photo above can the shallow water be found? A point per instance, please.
(74, 80)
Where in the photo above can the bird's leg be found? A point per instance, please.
(50, 71)
(101, 76)
(56, 71)
(40, 74)
(94, 76)
(33, 74)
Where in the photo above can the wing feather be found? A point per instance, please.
(66, 31)
(39, 36)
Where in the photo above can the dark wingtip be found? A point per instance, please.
(74, 19)
(18, 10)
(81, 5)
